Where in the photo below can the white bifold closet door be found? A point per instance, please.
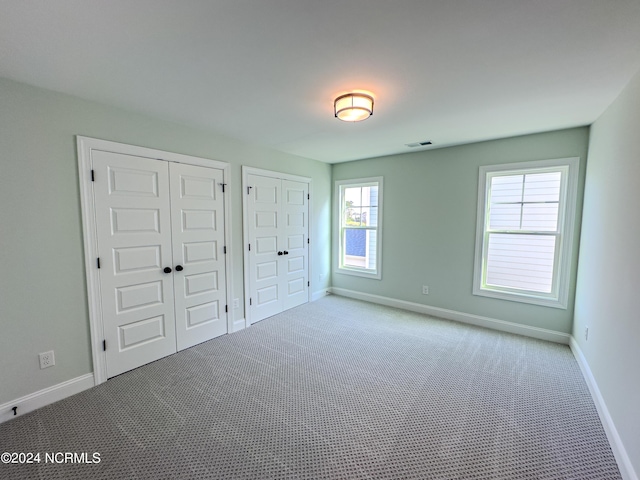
(278, 224)
(160, 234)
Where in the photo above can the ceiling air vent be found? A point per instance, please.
(419, 144)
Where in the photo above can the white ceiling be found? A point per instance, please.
(266, 71)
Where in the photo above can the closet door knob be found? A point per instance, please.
(279, 253)
(179, 268)
(167, 269)
(286, 253)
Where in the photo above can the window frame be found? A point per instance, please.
(340, 186)
(558, 298)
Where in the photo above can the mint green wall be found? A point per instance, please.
(43, 302)
(609, 268)
(430, 201)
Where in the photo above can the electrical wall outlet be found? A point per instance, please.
(47, 359)
(425, 289)
(586, 333)
(236, 303)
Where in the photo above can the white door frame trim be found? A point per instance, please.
(246, 171)
(85, 145)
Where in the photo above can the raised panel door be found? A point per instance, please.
(134, 240)
(197, 214)
(295, 231)
(264, 261)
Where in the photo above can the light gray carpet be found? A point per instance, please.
(333, 389)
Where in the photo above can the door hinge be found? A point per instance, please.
(98, 261)
(226, 308)
(250, 303)
(93, 175)
(308, 284)
(223, 184)
(307, 196)
(225, 249)
(307, 240)
(104, 345)
(249, 247)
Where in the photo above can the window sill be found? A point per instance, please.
(376, 275)
(522, 298)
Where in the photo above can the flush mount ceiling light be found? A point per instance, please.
(353, 107)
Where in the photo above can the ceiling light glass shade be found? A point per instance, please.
(353, 107)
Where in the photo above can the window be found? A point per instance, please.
(360, 221)
(525, 228)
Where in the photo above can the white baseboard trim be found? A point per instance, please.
(492, 323)
(46, 396)
(319, 294)
(238, 325)
(624, 463)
